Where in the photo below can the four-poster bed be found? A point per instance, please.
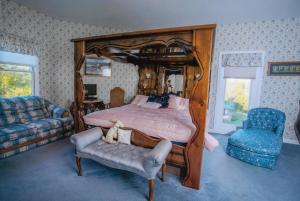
(155, 51)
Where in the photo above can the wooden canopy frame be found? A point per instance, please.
(197, 40)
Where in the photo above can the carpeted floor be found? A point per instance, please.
(49, 173)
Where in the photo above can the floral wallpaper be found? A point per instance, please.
(280, 39)
(51, 37)
(27, 31)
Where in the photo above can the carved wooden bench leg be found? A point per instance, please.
(151, 190)
(78, 160)
(163, 170)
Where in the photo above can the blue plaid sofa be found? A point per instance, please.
(259, 142)
(30, 121)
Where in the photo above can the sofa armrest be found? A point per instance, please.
(279, 130)
(158, 155)
(83, 139)
(59, 112)
(246, 124)
(55, 110)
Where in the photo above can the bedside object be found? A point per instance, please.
(116, 97)
(90, 106)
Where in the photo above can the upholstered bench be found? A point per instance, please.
(142, 161)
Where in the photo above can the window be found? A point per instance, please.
(18, 75)
(236, 101)
(16, 80)
(239, 83)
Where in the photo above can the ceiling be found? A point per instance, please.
(144, 14)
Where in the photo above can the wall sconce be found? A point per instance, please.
(148, 75)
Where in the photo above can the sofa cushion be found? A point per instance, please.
(29, 103)
(8, 112)
(46, 124)
(8, 117)
(30, 108)
(31, 115)
(7, 104)
(21, 140)
(16, 131)
(257, 140)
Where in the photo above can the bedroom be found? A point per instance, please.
(248, 41)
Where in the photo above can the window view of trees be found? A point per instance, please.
(15, 80)
(236, 103)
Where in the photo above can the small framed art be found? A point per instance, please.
(291, 68)
(98, 66)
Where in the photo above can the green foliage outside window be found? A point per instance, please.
(15, 80)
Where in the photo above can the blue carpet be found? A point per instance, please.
(49, 173)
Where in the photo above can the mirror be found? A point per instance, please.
(174, 77)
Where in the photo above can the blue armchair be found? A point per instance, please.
(259, 142)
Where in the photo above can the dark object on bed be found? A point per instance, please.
(297, 125)
(162, 99)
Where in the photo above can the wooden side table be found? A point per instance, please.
(92, 106)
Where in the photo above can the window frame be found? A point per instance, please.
(254, 99)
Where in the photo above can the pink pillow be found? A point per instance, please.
(139, 100)
(176, 102)
(151, 105)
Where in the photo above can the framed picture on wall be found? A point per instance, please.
(284, 68)
(98, 66)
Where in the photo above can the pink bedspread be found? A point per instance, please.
(170, 124)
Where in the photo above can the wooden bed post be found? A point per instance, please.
(79, 54)
(202, 47)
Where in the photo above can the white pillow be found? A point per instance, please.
(140, 100)
(124, 136)
(151, 105)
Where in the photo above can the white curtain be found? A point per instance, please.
(241, 65)
(242, 60)
(18, 44)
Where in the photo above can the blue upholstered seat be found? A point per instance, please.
(259, 142)
(30, 119)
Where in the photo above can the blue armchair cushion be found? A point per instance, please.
(265, 119)
(256, 140)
